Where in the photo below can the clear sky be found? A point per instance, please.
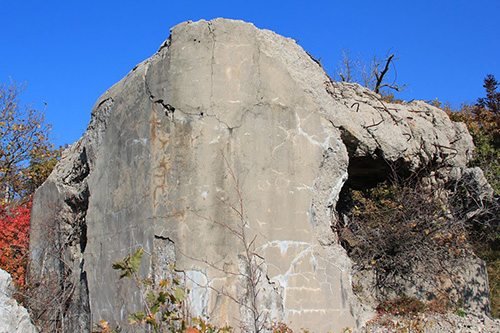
(70, 52)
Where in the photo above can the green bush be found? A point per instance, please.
(163, 305)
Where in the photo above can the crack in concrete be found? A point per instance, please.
(168, 108)
(211, 32)
(282, 279)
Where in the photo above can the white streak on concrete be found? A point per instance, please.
(335, 192)
(305, 187)
(142, 141)
(198, 296)
(215, 140)
(312, 138)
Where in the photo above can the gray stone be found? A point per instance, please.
(225, 110)
(13, 317)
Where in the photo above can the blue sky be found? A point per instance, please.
(70, 52)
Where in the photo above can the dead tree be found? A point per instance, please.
(372, 75)
(380, 75)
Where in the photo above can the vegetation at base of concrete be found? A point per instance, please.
(401, 232)
(402, 305)
(410, 323)
(252, 274)
(279, 328)
(164, 308)
(163, 304)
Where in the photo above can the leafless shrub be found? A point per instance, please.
(251, 264)
(51, 296)
(373, 74)
(404, 233)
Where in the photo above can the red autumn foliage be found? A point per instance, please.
(14, 240)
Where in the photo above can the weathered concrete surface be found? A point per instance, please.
(13, 317)
(155, 167)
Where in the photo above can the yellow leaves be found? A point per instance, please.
(104, 326)
(27, 157)
(164, 283)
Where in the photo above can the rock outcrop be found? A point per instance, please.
(13, 317)
(224, 109)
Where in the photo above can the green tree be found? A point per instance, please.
(26, 154)
(490, 103)
(483, 121)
